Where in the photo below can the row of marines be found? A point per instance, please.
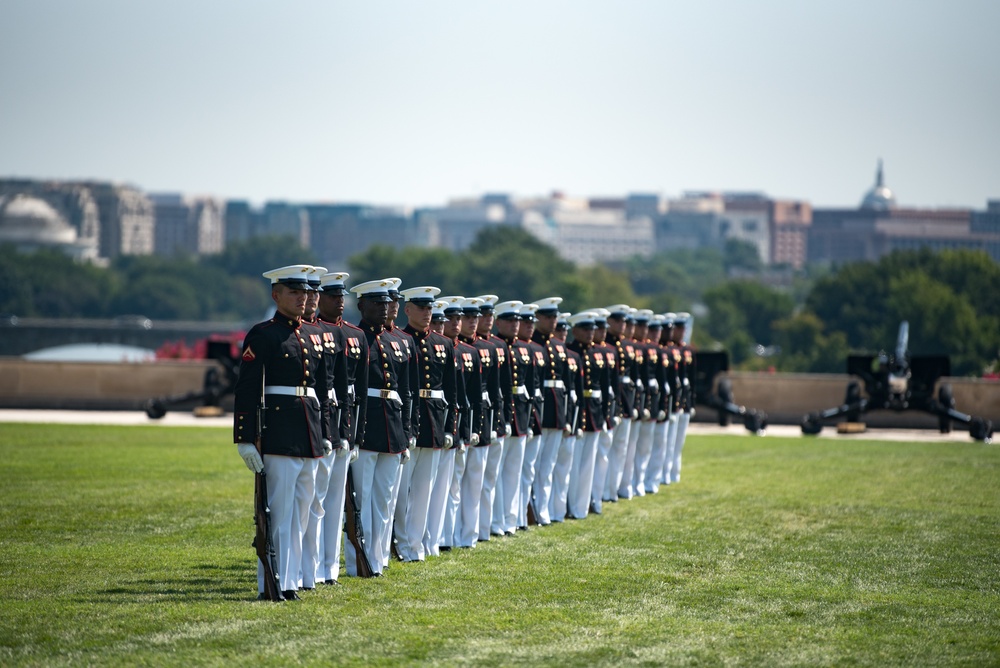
(451, 434)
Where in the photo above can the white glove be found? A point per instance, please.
(413, 441)
(635, 413)
(474, 440)
(508, 430)
(248, 451)
(661, 416)
(406, 455)
(449, 441)
(343, 444)
(645, 413)
(354, 455)
(493, 435)
(462, 447)
(327, 447)
(617, 420)
(567, 430)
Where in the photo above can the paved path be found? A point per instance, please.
(186, 419)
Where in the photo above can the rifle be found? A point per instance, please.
(353, 528)
(262, 519)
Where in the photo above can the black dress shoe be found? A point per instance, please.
(333, 583)
(496, 533)
(290, 595)
(445, 548)
(307, 588)
(522, 528)
(510, 533)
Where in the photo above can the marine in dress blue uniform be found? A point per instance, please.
(387, 429)
(281, 364)
(437, 417)
(556, 381)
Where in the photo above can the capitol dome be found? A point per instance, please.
(880, 198)
(27, 219)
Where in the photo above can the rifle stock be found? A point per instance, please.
(353, 529)
(262, 521)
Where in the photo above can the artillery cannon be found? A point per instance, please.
(899, 382)
(217, 384)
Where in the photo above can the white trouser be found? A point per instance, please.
(560, 478)
(682, 426)
(668, 462)
(311, 536)
(489, 493)
(616, 459)
(331, 484)
(439, 503)
(604, 441)
(375, 474)
(291, 485)
(454, 499)
(654, 472)
(625, 490)
(643, 451)
(467, 527)
(581, 478)
(547, 453)
(508, 485)
(403, 483)
(410, 528)
(532, 446)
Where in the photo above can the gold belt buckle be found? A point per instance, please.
(385, 394)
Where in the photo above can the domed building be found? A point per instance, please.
(31, 223)
(879, 198)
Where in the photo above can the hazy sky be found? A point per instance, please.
(417, 102)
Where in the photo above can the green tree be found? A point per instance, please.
(740, 255)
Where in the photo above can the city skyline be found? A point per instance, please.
(403, 105)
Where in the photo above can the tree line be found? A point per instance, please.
(809, 324)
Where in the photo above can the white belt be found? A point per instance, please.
(350, 390)
(626, 380)
(384, 394)
(554, 383)
(486, 396)
(432, 394)
(290, 390)
(332, 394)
(654, 383)
(593, 394)
(538, 392)
(520, 389)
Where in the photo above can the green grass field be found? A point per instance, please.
(131, 546)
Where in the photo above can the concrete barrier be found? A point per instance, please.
(95, 385)
(123, 386)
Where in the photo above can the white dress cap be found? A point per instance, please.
(452, 303)
(333, 281)
(377, 290)
(508, 309)
(549, 305)
(295, 276)
(489, 301)
(424, 295)
(471, 305)
(582, 319)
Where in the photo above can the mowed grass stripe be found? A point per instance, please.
(126, 545)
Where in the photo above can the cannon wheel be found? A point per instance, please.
(155, 409)
(811, 424)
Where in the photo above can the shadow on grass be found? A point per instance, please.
(234, 582)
